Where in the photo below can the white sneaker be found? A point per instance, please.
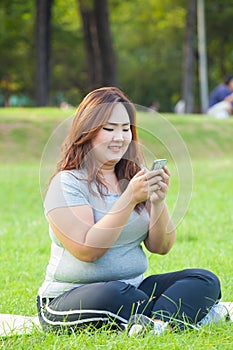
(139, 324)
(218, 313)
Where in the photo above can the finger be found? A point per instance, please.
(166, 179)
(155, 188)
(166, 170)
(160, 187)
(166, 176)
(140, 173)
(156, 172)
(164, 173)
(154, 180)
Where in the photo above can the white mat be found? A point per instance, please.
(17, 324)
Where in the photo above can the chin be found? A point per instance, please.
(115, 157)
(113, 161)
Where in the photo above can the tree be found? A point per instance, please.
(219, 39)
(107, 55)
(16, 64)
(101, 62)
(189, 57)
(91, 43)
(149, 42)
(43, 18)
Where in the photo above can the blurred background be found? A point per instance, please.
(158, 52)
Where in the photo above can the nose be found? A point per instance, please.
(118, 135)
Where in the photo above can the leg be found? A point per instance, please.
(182, 295)
(220, 110)
(92, 304)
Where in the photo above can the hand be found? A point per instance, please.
(229, 98)
(152, 184)
(138, 187)
(159, 184)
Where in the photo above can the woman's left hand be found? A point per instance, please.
(158, 181)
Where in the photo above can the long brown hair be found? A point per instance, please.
(94, 112)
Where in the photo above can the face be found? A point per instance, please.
(113, 139)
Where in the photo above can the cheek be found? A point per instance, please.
(128, 137)
(100, 139)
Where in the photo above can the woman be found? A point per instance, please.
(221, 99)
(101, 205)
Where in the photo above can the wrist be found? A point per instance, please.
(129, 199)
(158, 204)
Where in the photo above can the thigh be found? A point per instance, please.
(156, 285)
(95, 303)
(220, 110)
(188, 293)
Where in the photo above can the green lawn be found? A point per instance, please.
(204, 236)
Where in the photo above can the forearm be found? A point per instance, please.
(106, 231)
(76, 229)
(86, 240)
(161, 236)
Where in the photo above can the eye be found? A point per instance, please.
(107, 129)
(126, 129)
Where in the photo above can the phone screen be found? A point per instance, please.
(159, 164)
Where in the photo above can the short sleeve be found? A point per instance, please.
(66, 190)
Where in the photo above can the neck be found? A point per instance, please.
(110, 180)
(107, 171)
(108, 168)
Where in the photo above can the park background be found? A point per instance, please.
(149, 40)
(54, 51)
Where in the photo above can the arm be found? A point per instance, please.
(161, 236)
(229, 98)
(88, 241)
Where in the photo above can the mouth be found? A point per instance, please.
(115, 149)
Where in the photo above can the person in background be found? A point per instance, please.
(179, 107)
(221, 100)
(154, 106)
(101, 206)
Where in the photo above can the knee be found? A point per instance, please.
(210, 279)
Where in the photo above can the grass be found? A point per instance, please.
(204, 237)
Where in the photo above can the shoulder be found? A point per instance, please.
(69, 177)
(218, 88)
(67, 188)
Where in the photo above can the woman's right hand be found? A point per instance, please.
(143, 184)
(138, 189)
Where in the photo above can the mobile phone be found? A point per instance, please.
(159, 164)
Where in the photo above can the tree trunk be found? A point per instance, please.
(108, 60)
(91, 45)
(188, 61)
(43, 17)
(101, 62)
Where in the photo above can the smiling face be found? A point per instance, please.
(113, 139)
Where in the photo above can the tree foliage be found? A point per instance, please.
(219, 16)
(16, 46)
(147, 38)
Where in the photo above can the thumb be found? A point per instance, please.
(140, 173)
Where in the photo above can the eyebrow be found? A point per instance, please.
(109, 123)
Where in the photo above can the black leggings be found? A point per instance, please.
(183, 298)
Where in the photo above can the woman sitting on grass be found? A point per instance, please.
(101, 206)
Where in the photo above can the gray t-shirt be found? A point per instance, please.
(124, 261)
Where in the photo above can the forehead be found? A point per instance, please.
(119, 115)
